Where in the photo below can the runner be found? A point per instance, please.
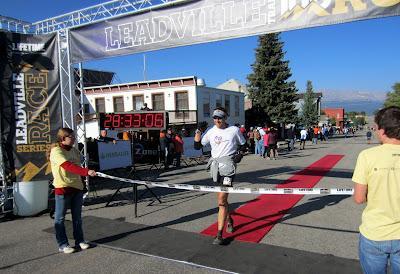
(225, 141)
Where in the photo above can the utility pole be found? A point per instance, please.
(144, 67)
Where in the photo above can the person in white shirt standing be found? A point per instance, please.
(303, 138)
(225, 143)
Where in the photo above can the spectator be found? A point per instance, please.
(257, 141)
(250, 140)
(272, 143)
(68, 189)
(164, 144)
(145, 107)
(265, 143)
(170, 146)
(126, 136)
(345, 131)
(315, 136)
(303, 138)
(291, 137)
(178, 148)
(104, 138)
(376, 182)
(369, 136)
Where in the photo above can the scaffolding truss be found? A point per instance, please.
(72, 91)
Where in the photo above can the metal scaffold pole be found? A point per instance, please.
(4, 185)
(81, 125)
(72, 103)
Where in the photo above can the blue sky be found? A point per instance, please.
(360, 56)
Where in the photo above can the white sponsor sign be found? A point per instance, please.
(114, 155)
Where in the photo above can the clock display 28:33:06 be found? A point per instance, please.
(134, 120)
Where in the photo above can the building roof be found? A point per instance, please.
(152, 84)
(234, 85)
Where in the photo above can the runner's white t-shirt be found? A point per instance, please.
(303, 134)
(224, 142)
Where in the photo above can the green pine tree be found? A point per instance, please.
(269, 87)
(393, 97)
(309, 114)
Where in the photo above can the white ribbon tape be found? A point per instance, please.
(241, 190)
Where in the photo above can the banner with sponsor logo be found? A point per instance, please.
(114, 155)
(30, 107)
(193, 22)
(146, 151)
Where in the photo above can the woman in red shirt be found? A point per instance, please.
(178, 145)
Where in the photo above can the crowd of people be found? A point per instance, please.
(171, 147)
(263, 141)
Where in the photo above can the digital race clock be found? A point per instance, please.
(133, 120)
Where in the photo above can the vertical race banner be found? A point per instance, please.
(30, 105)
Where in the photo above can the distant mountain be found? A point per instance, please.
(345, 96)
(368, 106)
(367, 101)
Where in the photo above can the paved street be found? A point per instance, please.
(319, 234)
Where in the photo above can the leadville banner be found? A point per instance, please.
(194, 22)
(30, 108)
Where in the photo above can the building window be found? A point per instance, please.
(118, 104)
(237, 110)
(100, 105)
(137, 101)
(86, 108)
(206, 104)
(181, 100)
(181, 104)
(228, 103)
(158, 101)
(218, 100)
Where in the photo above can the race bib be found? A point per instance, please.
(227, 181)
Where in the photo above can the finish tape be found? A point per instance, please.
(241, 190)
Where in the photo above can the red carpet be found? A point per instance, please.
(256, 218)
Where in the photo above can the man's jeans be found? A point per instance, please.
(259, 146)
(374, 255)
(291, 144)
(62, 202)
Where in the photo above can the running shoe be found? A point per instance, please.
(218, 240)
(66, 249)
(84, 245)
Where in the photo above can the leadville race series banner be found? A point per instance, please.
(30, 107)
(194, 22)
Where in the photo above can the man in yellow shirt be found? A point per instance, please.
(377, 183)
